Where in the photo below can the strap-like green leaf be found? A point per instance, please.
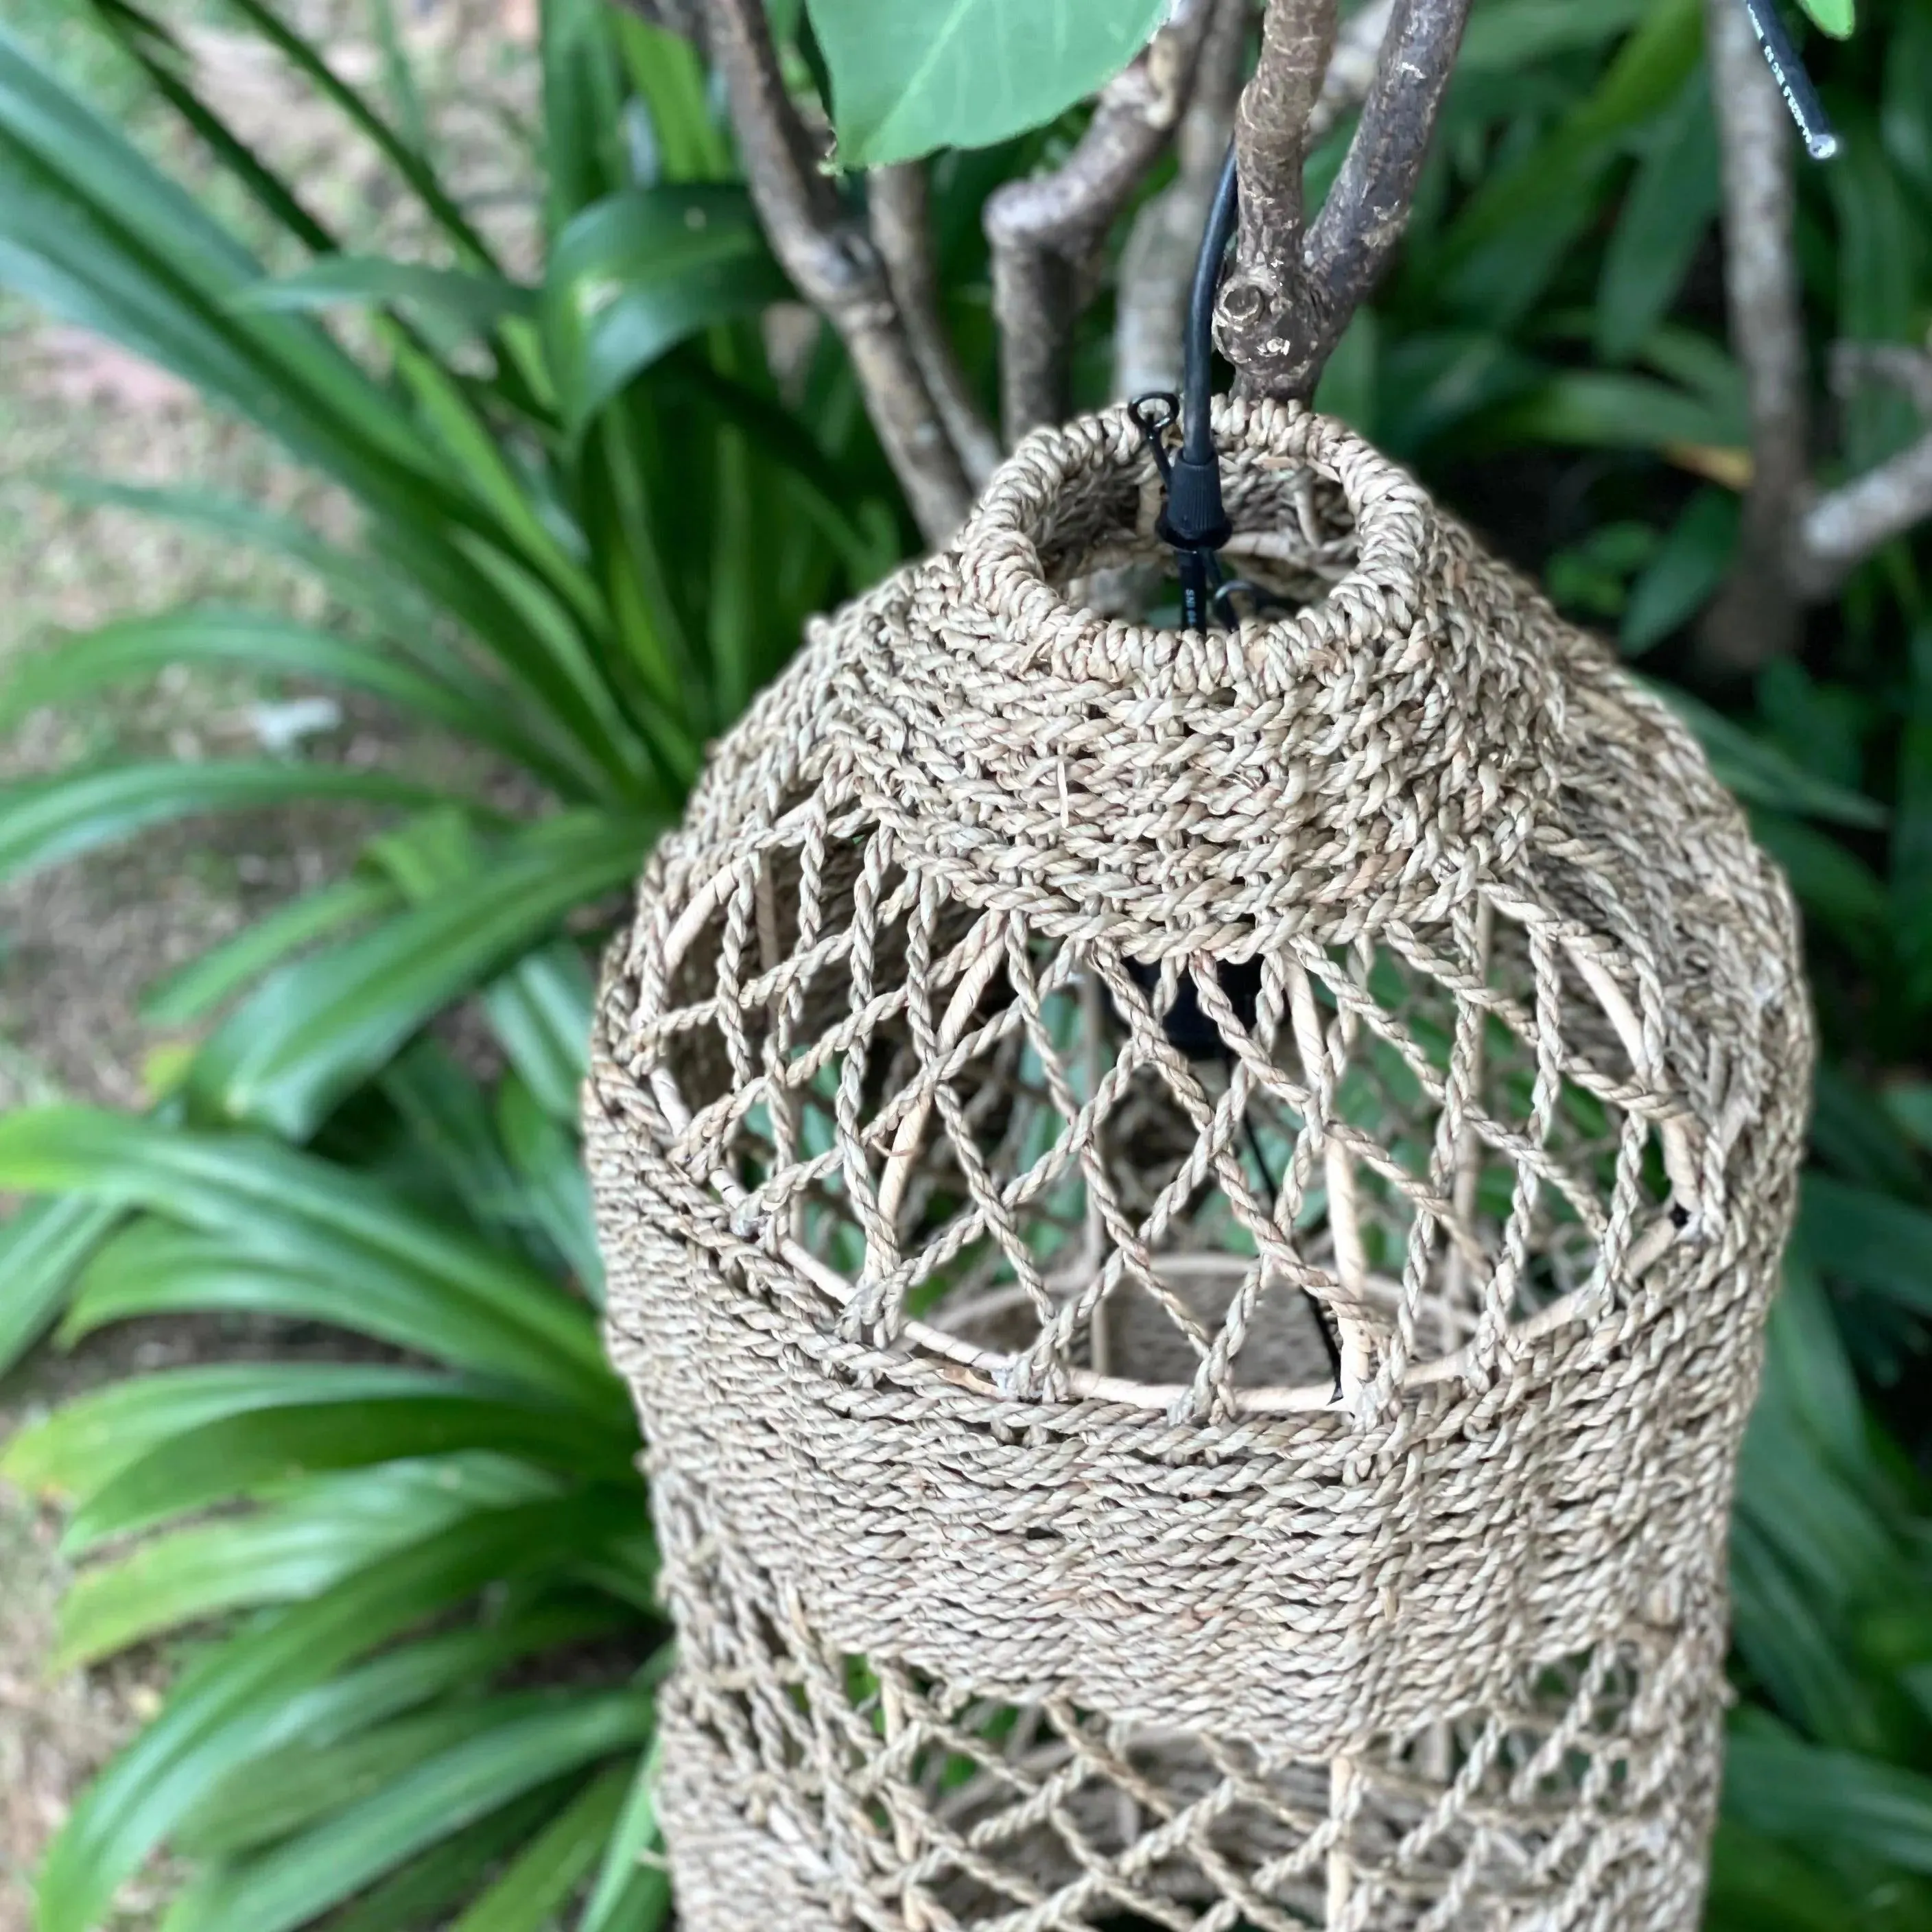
(319, 1027)
(1835, 1802)
(402, 1413)
(317, 1217)
(390, 600)
(295, 1881)
(296, 1548)
(542, 1878)
(295, 1788)
(229, 1705)
(43, 1247)
(154, 1268)
(133, 648)
(192, 992)
(635, 274)
(88, 1441)
(549, 1162)
(423, 1891)
(44, 821)
(613, 1905)
(1760, 774)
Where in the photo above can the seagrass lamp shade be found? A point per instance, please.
(1189, 1213)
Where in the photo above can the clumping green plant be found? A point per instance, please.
(419, 1666)
(409, 1578)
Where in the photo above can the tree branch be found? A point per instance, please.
(832, 263)
(898, 204)
(1291, 295)
(1756, 616)
(1843, 527)
(1045, 234)
(1838, 531)
(1157, 264)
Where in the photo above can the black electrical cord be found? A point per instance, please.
(1193, 519)
(1801, 96)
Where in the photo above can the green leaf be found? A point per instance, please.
(633, 275)
(540, 1012)
(1831, 1800)
(549, 1162)
(296, 1548)
(1759, 1886)
(153, 1268)
(1685, 574)
(144, 647)
(43, 1245)
(296, 1787)
(391, 601)
(612, 1904)
(1844, 896)
(43, 821)
(319, 1221)
(1835, 17)
(964, 74)
(229, 1704)
(294, 1883)
(1870, 1240)
(1513, 235)
(400, 1413)
(192, 992)
(1605, 410)
(1672, 202)
(312, 1032)
(541, 1880)
(1508, 36)
(463, 300)
(423, 1891)
(1760, 774)
(88, 1440)
(406, 160)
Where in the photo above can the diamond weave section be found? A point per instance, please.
(1189, 1216)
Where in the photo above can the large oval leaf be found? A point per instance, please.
(911, 75)
(636, 273)
(1837, 17)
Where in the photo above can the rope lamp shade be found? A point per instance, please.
(1189, 1214)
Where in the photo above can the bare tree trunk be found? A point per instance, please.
(1757, 616)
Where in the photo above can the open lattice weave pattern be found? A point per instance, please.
(1189, 1216)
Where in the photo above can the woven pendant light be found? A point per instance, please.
(1189, 1215)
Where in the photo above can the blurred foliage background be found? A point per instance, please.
(601, 474)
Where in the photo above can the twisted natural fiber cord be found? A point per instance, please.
(1043, 1025)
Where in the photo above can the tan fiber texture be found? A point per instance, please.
(1189, 1216)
